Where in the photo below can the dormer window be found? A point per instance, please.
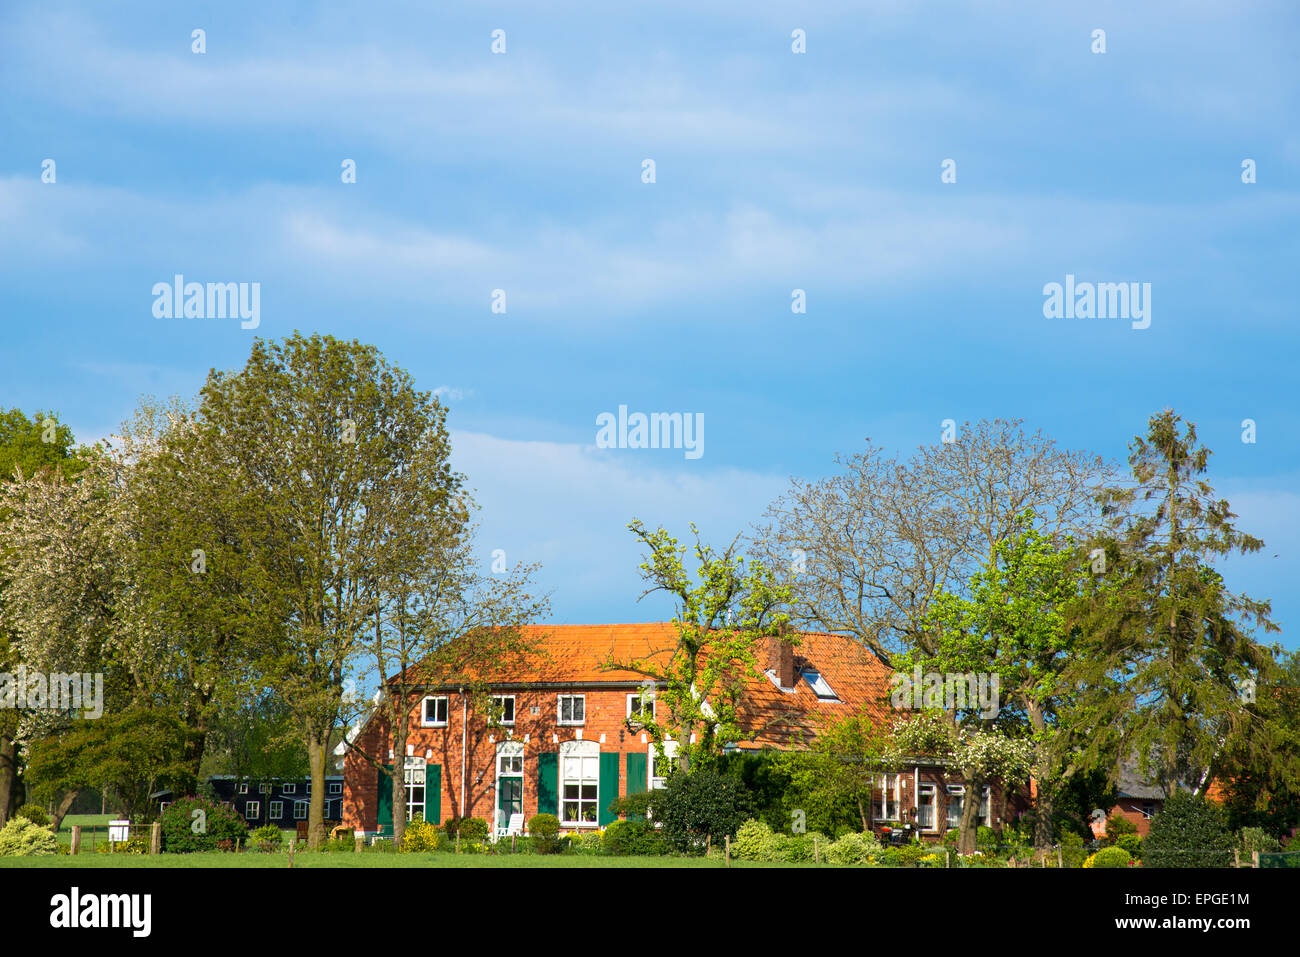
(818, 684)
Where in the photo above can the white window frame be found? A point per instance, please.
(334, 787)
(559, 711)
(881, 810)
(412, 764)
(424, 711)
(931, 791)
(821, 687)
(276, 811)
(636, 705)
(583, 752)
(264, 789)
(255, 807)
(510, 750)
(243, 788)
(652, 755)
(300, 810)
(986, 806)
(288, 788)
(953, 791)
(498, 709)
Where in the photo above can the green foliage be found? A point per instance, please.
(216, 825)
(1188, 831)
(136, 845)
(23, 838)
(854, 849)
(750, 838)
(543, 833)
(1257, 839)
(267, 839)
(134, 752)
(631, 805)
(420, 836)
(34, 813)
(466, 828)
(1073, 853)
(1168, 644)
(634, 839)
(726, 612)
(1111, 857)
(698, 807)
(1132, 844)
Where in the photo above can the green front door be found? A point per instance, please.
(510, 799)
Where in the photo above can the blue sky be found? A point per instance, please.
(774, 171)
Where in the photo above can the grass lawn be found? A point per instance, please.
(346, 859)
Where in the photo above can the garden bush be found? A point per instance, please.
(749, 841)
(466, 828)
(266, 839)
(1131, 843)
(592, 843)
(700, 807)
(22, 837)
(1109, 857)
(634, 839)
(1072, 851)
(420, 836)
(855, 848)
(543, 833)
(34, 813)
(136, 845)
(1257, 839)
(219, 828)
(1188, 831)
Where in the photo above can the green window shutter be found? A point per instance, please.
(638, 775)
(548, 784)
(608, 787)
(385, 818)
(433, 793)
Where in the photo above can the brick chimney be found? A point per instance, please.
(781, 659)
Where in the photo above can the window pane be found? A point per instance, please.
(589, 792)
(571, 792)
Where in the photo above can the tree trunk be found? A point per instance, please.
(970, 810)
(8, 776)
(316, 812)
(399, 782)
(61, 809)
(1043, 818)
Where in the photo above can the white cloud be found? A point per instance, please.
(567, 506)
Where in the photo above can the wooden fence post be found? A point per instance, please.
(726, 850)
(155, 837)
(360, 840)
(947, 858)
(817, 854)
(1060, 860)
(1254, 858)
(293, 842)
(1236, 857)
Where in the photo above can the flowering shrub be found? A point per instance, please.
(420, 836)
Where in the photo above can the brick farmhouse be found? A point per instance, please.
(564, 739)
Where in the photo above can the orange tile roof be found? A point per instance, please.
(581, 654)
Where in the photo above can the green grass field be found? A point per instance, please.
(345, 859)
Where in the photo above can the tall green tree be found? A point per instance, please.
(1010, 624)
(726, 614)
(33, 446)
(1170, 647)
(318, 432)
